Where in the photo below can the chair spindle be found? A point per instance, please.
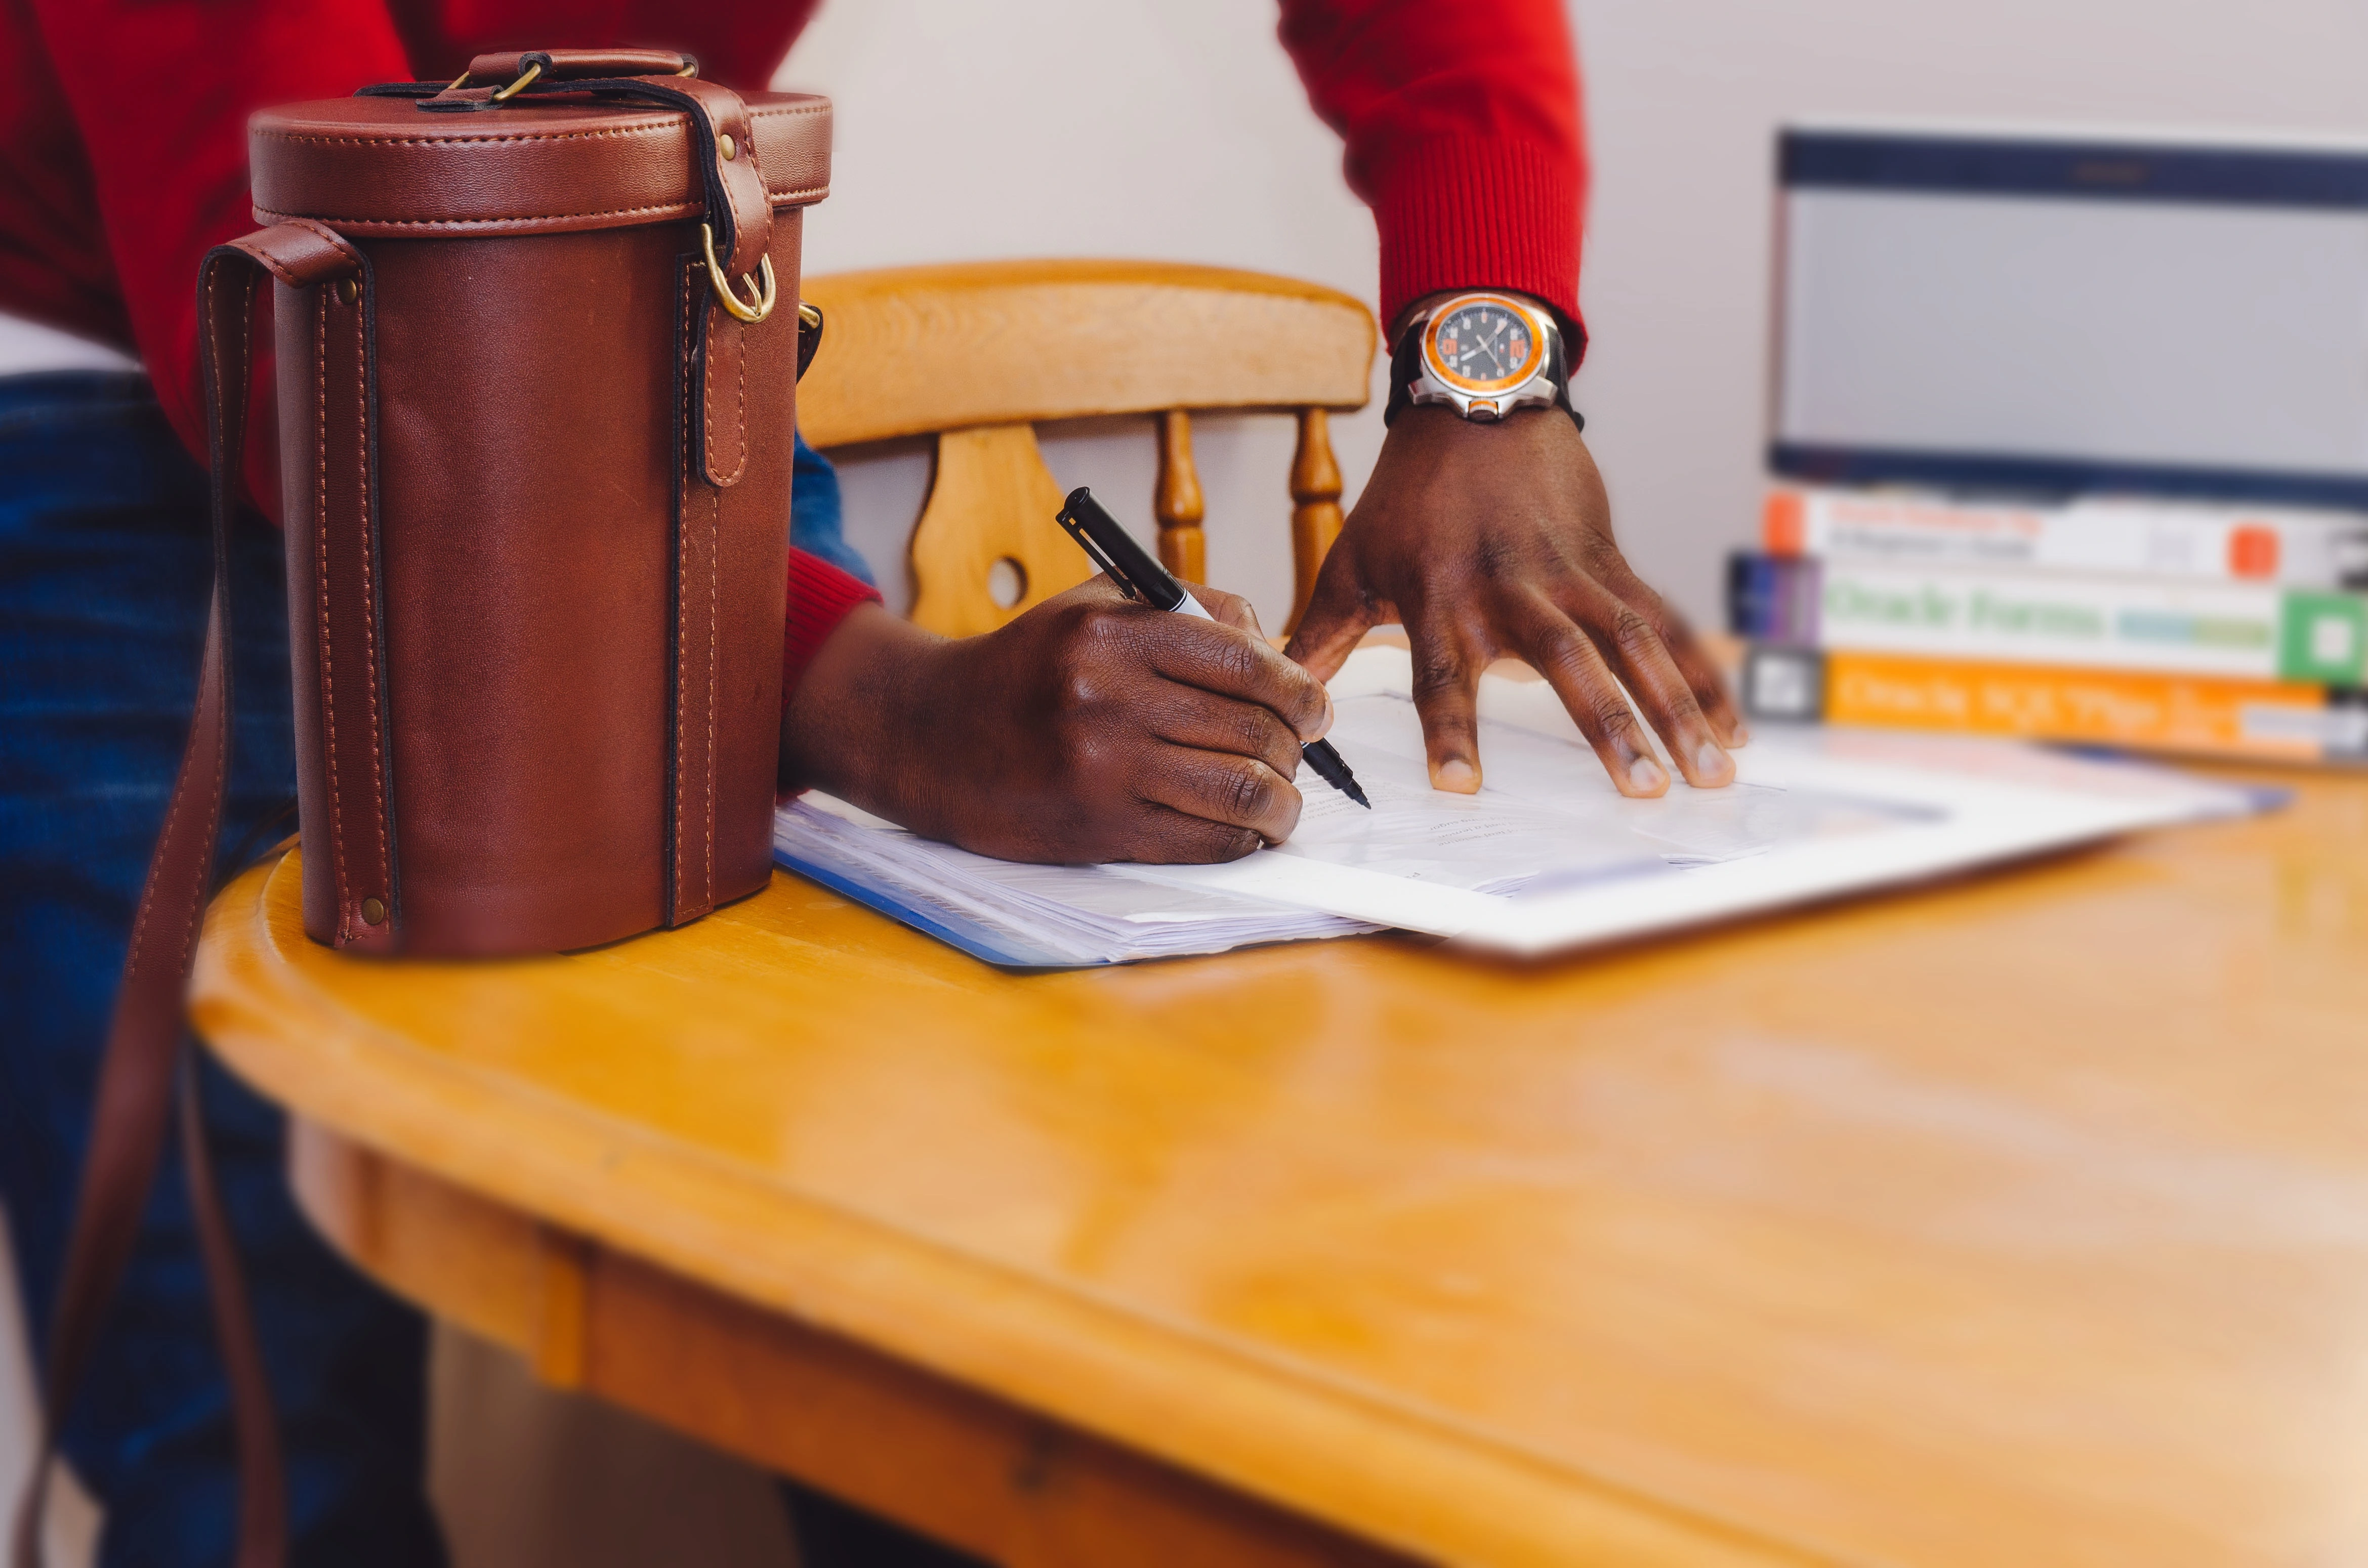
(1176, 502)
(1315, 507)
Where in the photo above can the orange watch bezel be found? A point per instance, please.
(1522, 376)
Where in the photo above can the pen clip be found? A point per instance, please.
(1094, 552)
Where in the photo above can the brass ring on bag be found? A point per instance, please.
(506, 93)
(760, 301)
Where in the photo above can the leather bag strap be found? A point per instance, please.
(328, 433)
(739, 211)
(144, 1057)
(574, 64)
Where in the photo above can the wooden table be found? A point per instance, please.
(2021, 1220)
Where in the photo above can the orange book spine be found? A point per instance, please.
(2168, 712)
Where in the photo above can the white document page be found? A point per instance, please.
(1548, 854)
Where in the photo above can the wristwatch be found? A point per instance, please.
(1482, 354)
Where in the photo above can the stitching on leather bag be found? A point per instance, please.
(803, 196)
(682, 600)
(321, 573)
(369, 588)
(281, 269)
(276, 268)
(714, 575)
(302, 138)
(707, 407)
(268, 262)
(663, 206)
(671, 125)
(695, 386)
(740, 413)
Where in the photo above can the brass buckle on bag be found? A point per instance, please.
(528, 74)
(759, 303)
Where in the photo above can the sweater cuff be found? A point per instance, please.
(821, 595)
(1468, 213)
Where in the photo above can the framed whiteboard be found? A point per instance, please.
(2062, 313)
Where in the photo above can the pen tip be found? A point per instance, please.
(1359, 796)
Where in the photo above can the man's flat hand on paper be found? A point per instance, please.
(1490, 539)
(1089, 729)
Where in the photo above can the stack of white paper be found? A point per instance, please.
(1547, 854)
(1030, 915)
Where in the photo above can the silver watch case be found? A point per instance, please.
(1538, 382)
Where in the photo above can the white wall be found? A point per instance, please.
(1158, 127)
(1150, 129)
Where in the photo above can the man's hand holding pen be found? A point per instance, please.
(1091, 728)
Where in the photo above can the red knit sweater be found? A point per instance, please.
(123, 146)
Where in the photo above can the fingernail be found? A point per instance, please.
(1742, 734)
(1713, 765)
(1324, 725)
(1644, 775)
(1456, 776)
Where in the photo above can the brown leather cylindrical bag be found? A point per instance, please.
(535, 473)
(536, 346)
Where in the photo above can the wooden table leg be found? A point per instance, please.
(956, 1464)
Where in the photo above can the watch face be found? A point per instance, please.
(1482, 344)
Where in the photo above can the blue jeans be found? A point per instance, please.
(105, 557)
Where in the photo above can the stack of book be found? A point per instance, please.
(2237, 631)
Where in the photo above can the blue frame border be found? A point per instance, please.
(2072, 169)
(2082, 170)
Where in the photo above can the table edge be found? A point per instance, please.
(1256, 1424)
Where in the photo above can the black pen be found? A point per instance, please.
(1138, 576)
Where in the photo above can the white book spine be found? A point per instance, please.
(2288, 547)
(2255, 631)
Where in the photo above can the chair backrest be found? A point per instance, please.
(976, 354)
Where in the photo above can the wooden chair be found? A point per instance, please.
(977, 354)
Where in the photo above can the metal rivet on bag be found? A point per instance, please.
(349, 290)
(374, 911)
(731, 148)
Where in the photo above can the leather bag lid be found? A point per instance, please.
(379, 166)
